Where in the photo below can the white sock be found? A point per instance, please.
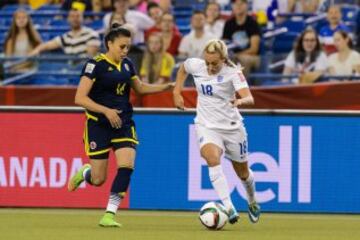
(249, 185)
(113, 203)
(220, 185)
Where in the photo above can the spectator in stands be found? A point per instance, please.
(155, 12)
(170, 37)
(223, 3)
(157, 64)
(214, 23)
(81, 5)
(142, 5)
(7, 2)
(334, 24)
(79, 40)
(346, 61)
(307, 59)
(140, 21)
(102, 5)
(244, 32)
(21, 39)
(192, 44)
(358, 31)
(303, 6)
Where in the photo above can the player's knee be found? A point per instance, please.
(98, 180)
(212, 160)
(243, 174)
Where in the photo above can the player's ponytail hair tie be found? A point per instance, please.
(219, 46)
(116, 30)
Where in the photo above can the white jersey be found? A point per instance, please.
(214, 109)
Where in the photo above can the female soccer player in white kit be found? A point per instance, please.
(219, 125)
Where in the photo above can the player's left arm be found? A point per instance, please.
(146, 88)
(246, 98)
(242, 90)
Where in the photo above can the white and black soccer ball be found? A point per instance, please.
(213, 216)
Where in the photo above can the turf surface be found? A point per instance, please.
(65, 224)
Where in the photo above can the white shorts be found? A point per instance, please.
(232, 142)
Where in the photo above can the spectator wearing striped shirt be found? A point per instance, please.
(79, 40)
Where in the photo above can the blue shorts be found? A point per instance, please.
(100, 138)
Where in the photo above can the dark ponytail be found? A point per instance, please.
(116, 31)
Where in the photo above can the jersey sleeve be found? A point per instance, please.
(89, 70)
(132, 69)
(192, 65)
(239, 81)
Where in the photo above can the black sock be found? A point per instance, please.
(88, 176)
(121, 181)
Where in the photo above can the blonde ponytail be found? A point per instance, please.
(219, 46)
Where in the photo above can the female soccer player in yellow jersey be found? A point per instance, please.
(104, 92)
(219, 125)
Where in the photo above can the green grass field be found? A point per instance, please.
(70, 224)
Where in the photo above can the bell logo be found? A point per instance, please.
(276, 171)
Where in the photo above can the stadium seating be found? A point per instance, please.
(50, 21)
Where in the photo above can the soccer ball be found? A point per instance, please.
(213, 216)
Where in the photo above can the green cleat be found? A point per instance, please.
(77, 179)
(254, 212)
(108, 221)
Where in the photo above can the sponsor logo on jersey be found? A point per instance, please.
(93, 145)
(220, 78)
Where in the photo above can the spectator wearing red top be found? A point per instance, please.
(171, 38)
(155, 12)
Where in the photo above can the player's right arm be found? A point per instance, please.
(82, 97)
(179, 84)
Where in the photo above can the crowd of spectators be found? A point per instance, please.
(154, 29)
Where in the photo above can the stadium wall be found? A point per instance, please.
(303, 161)
(329, 95)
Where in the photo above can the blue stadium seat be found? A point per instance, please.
(13, 7)
(294, 26)
(284, 43)
(95, 24)
(2, 36)
(55, 34)
(41, 21)
(182, 22)
(45, 36)
(40, 79)
(4, 21)
(59, 22)
(349, 13)
(183, 9)
(275, 83)
(183, 14)
(53, 66)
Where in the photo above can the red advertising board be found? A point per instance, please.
(38, 153)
